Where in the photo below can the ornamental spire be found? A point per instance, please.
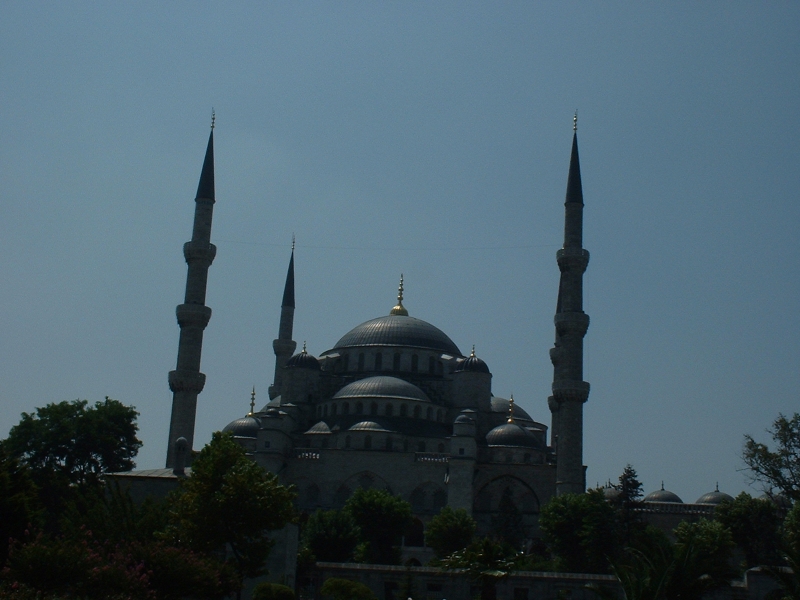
(252, 402)
(511, 409)
(399, 309)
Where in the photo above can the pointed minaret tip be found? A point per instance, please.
(288, 288)
(575, 121)
(399, 309)
(574, 186)
(205, 189)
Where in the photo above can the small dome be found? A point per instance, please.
(382, 386)
(715, 497)
(245, 427)
(367, 426)
(321, 427)
(500, 405)
(611, 493)
(473, 364)
(462, 418)
(303, 360)
(511, 434)
(663, 495)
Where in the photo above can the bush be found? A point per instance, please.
(272, 591)
(344, 589)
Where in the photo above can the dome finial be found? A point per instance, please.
(662, 485)
(511, 409)
(213, 117)
(473, 351)
(575, 121)
(252, 402)
(292, 241)
(399, 309)
(304, 347)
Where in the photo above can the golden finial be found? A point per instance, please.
(511, 409)
(575, 121)
(252, 402)
(473, 351)
(213, 117)
(304, 347)
(292, 241)
(399, 309)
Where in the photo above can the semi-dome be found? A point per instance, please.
(500, 405)
(511, 434)
(319, 428)
(303, 360)
(473, 364)
(367, 426)
(381, 386)
(398, 330)
(663, 495)
(715, 497)
(245, 427)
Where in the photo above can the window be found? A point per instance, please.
(414, 363)
(439, 416)
(396, 365)
(421, 447)
(325, 410)
(333, 410)
(346, 408)
(461, 452)
(403, 410)
(439, 368)
(389, 443)
(373, 410)
(429, 414)
(389, 410)
(431, 365)
(368, 443)
(360, 361)
(416, 411)
(441, 448)
(378, 361)
(346, 362)
(359, 408)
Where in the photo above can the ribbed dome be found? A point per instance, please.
(381, 386)
(367, 426)
(500, 405)
(611, 493)
(473, 364)
(245, 427)
(321, 427)
(303, 360)
(398, 330)
(715, 497)
(511, 434)
(663, 495)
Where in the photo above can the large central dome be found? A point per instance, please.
(398, 330)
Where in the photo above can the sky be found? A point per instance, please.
(425, 138)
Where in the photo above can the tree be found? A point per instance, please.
(19, 502)
(626, 503)
(703, 553)
(344, 589)
(485, 562)
(779, 469)
(382, 519)
(331, 535)
(449, 531)
(579, 530)
(789, 579)
(229, 502)
(755, 528)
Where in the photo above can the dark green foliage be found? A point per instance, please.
(755, 527)
(485, 562)
(19, 502)
(626, 503)
(229, 502)
(344, 589)
(508, 525)
(272, 591)
(789, 579)
(449, 531)
(382, 519)
(580, 531)
(331, 535)
(779, 469)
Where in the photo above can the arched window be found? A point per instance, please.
(368, 442)
(389, 410)
(441, 447)
(373, 410)
(347, 442)
(346, 362)
(414, 363)
(416, 411)
(378, 361)
(325, 411)
(439, 368)
(431, 365)
(396, 364)
(421, 447)
(346, 408)
(334, 410)
(359, 408)
(429, 414)
(360, 361)
(439, 416)
(389, 443)
(403, 410)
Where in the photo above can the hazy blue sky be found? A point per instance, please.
(429, 138)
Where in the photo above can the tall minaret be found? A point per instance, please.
(186, 381)
(570, 391)
(284, 346)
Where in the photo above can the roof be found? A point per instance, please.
(401, 331)
(382, 386)
(511, 434)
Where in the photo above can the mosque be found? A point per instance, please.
(396, 405)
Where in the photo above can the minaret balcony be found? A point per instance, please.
(576, 391)
(572, 259)
(199, 253)
(571, 322)
(186, 381)
(193, 315)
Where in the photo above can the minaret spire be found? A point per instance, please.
(186, 381)
(284, 346)
(399, 309)
(571, 323)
